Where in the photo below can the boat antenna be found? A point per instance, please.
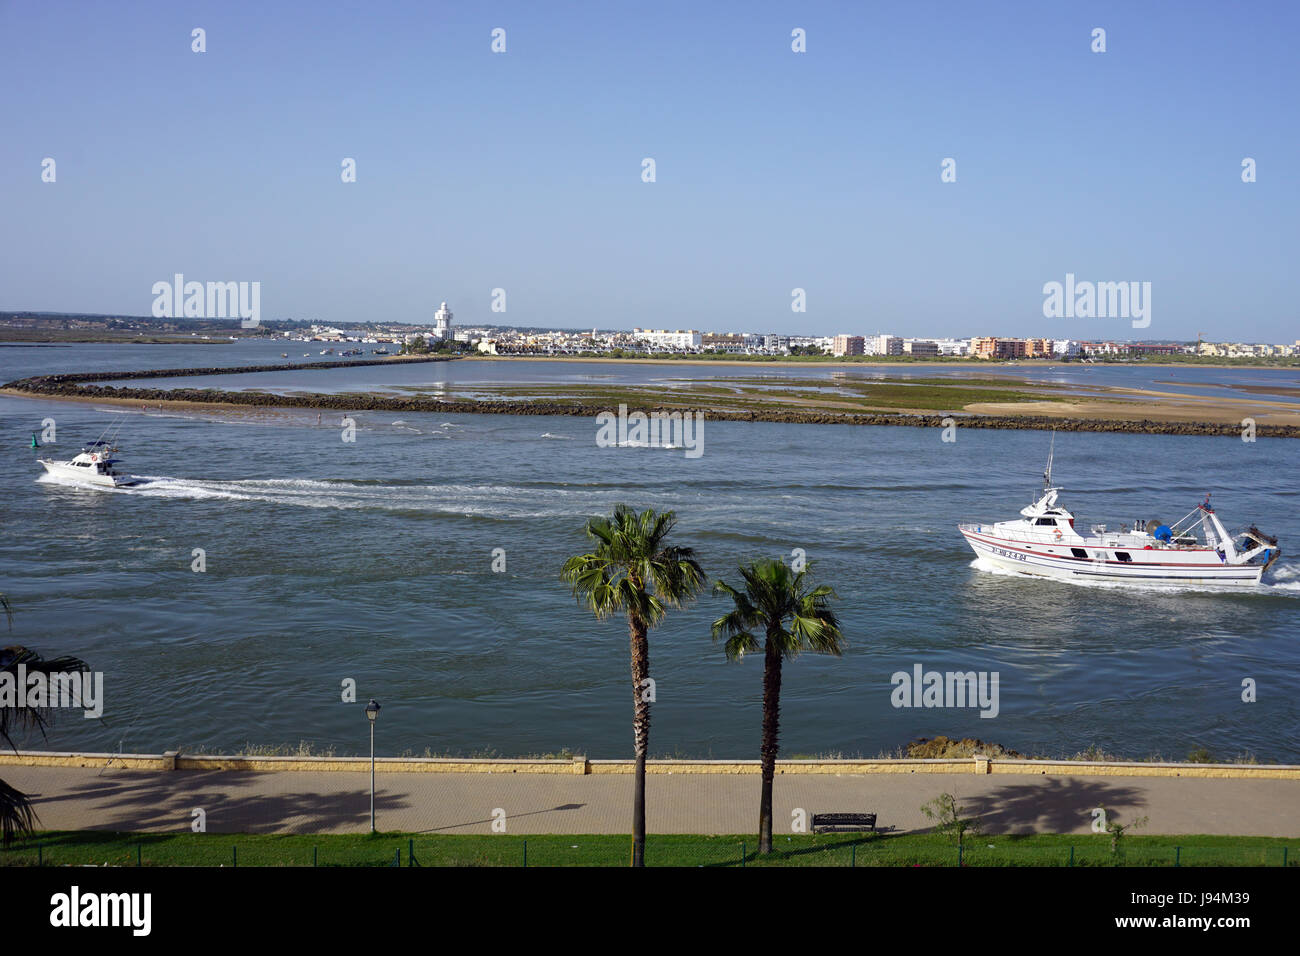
(1047, 475)
(115, 424)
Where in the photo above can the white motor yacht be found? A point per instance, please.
(96, 464)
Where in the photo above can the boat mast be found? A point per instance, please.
(1047, 475)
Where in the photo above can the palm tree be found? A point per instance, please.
(16, 814)
(635, 572)
(774, 595)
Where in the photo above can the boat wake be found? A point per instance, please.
(1285, 577)
(485, 500)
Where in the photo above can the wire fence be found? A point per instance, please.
(615, 850)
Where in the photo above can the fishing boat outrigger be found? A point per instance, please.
(95, 464)
(1197, 549)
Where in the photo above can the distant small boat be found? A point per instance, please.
(284, 355)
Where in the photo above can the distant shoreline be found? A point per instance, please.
(69, 387)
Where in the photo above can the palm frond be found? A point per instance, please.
(17, 817)
(631, 569)
(794, 614)
(739, 644)
(23, 716)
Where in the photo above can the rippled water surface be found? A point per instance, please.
(372, 560)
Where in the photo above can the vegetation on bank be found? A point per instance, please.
(104, 848)
(421, 346)
(760, 396)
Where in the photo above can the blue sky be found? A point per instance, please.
(775, 170)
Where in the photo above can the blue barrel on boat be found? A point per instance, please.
(1163, 533)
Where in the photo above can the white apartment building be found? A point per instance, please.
(883, 345)
(677, 339)
(823, 342)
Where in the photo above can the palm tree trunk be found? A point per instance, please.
(640, 731)
(771, 728)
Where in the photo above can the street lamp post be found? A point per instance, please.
(372, 711)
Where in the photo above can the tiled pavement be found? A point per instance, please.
(339, 802)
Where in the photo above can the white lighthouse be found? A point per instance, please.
(442, 322)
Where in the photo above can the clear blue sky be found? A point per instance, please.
(775, 170)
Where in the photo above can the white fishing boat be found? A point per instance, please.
(95, 464)
(1195, 550)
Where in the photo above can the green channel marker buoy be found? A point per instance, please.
(35, 443)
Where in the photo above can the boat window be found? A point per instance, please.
(1045, 521)
(1123, 556)
(1079, 552)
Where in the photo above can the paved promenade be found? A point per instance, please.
(70, 798)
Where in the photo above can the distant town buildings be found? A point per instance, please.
(724, 342)
(953, 347)
(535, 341)
(1246, 350)
(848, 345)
(678, 340)
(690, 341)
(884, 345)
(991, 347)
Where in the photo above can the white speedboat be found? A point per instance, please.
(1195, 550)
(95, 464)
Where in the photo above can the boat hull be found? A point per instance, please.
(1196, 568)
(84, 476)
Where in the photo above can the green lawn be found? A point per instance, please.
(59, 848)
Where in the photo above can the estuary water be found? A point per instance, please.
(372, 560)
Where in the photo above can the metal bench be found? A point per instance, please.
(843, 822)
